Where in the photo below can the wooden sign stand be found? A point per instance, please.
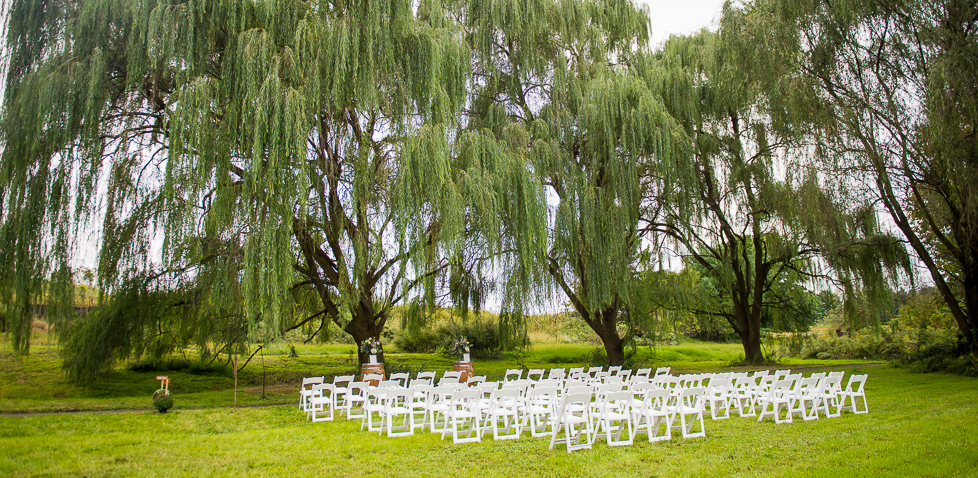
(164, 382)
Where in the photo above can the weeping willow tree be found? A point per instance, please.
(551, 88)
(894, 103)
(762, 222)
(275, 164)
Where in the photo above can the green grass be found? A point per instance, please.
(918, 425)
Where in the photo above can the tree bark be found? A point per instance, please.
(607, 329)
(362, 326)
(751, 340)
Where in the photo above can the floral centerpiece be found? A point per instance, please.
(460, 346)
(372, 347)
(162, 400)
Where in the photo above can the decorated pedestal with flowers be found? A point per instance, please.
(372, 347)
(460, 347)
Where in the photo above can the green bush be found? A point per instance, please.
(949, 356)
(482, 333)
(425, 341)
(162, 400)
(920, 348)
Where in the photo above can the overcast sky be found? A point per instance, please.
(681, 16)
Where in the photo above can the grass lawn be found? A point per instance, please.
(918, 425)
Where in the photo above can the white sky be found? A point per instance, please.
(680, 17)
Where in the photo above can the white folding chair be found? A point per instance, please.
(439, 402)
(322, 401)
(539, 407)
(535, 374)
(776, 396)
(450, 376)
(718, 396)
(355, 400)
(764, 387)
(614, 416)
(463, 416)
(421, 391)
(614, 369)
(504, 405)
(305, 390)
(402, 378)
(652, 415)
(807, 398)
(557, 374)
(661, 371)
(691, 404)
(513, 374)
(374, 407)
(397, 403)
(830, 394)
(574, 417)
(742, 396)
(854, 389)
(372, 377)
(342, 384)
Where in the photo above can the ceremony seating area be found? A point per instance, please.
(575, 408)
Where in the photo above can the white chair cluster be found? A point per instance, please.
(782, 395)
(575, 408)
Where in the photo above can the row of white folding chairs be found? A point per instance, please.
(594, 374)
(742, 393)
(804, 396)
(589, 374)
(341, 383)
(466, 413)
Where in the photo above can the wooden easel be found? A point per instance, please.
(164, 382)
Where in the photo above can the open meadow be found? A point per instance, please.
(918, 425)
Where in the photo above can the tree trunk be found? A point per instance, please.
(361, 327)
(605, 324)
(751, 340)
(746, 321)
(968, 329)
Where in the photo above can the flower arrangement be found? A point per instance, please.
(460, 346)
(371, 346)
(162, 400)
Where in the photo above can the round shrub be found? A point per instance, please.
(163, 400)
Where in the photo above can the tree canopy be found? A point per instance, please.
(890, 92)
(250, 167)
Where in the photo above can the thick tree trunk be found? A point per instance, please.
(605, 324)
(614, 346)
(751, 340)
(362, 326)
(746, 321)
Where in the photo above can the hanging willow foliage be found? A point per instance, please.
(246, 156)
(553, 91)
(764, 224)
(893, 103)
